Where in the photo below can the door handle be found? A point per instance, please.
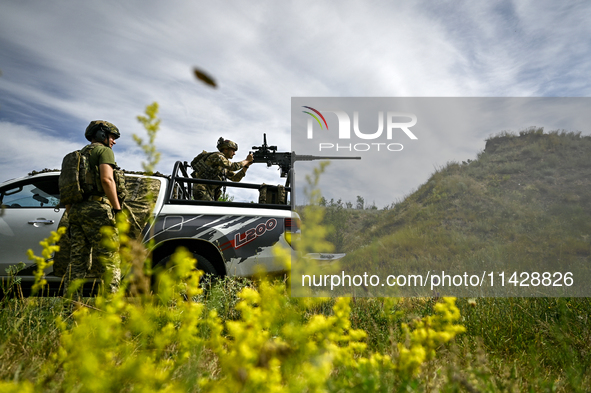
(41, 221)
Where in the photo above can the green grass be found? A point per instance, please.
(526, 344)
(525, 199)
(28, 334)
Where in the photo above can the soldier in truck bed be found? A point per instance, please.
(217, 166)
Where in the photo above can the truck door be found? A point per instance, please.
(31, 210)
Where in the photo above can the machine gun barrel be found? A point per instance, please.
(270, 156)
(303, 157)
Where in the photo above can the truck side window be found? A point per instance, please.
(40, 193)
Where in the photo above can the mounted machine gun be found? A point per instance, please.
(269, 155)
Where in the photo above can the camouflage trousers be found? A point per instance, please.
(89, 246)
(201, 192)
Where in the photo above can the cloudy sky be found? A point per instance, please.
(65, 63)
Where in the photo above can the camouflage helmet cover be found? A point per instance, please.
(226, 143)
(96, 126)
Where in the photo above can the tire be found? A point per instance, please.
(210, 274)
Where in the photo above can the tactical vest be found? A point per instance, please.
(119, 177)
(203, 171)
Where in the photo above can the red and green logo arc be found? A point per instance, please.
(315, 117)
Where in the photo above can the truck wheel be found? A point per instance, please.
(209, 273)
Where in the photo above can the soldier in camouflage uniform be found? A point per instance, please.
(217, 166)
(97, 210)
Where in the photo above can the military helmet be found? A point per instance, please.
(99, 130)
(226, 143)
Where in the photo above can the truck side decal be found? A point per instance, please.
(237, 237)
(240, 239)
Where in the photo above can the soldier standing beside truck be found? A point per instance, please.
(104, 190)
(217, 166)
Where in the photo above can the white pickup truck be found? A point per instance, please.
(227, 238)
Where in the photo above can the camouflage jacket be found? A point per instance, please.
(214, 166)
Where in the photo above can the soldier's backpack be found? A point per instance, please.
(200, 169)
(77, 180)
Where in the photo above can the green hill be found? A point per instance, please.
(523, 205)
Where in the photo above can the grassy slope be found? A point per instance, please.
(525, 198)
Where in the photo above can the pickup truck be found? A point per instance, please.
(227, 238)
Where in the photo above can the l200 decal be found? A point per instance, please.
(241, 239)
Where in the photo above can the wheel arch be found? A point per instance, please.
(201, 247)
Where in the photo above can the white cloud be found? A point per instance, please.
(24, 150)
